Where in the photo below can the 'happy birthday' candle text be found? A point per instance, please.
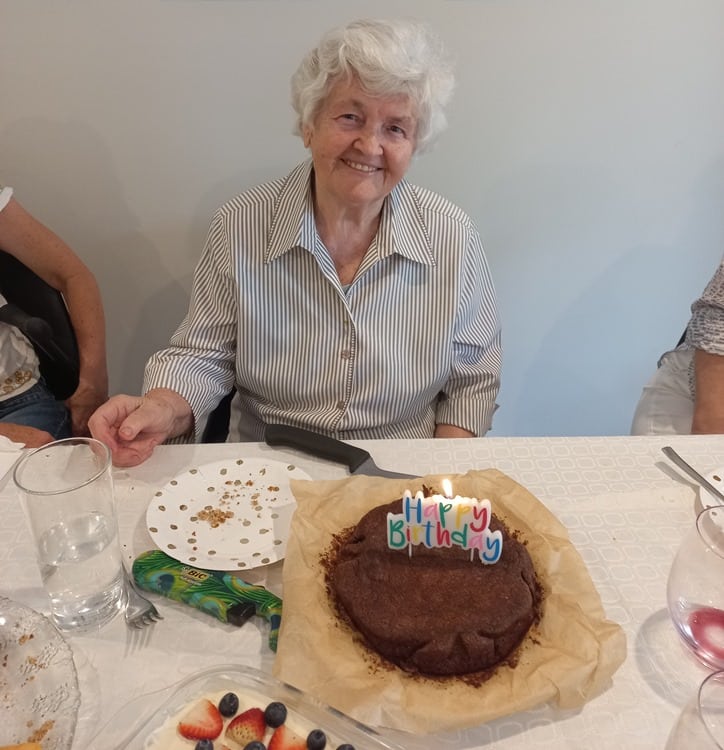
(439, 521)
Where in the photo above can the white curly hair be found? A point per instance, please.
(388, 58)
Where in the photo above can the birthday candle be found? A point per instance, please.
(444, 521)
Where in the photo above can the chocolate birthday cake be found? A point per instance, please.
(434, 610)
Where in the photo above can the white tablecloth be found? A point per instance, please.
(626, 509)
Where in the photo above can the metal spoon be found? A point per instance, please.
(671, 454)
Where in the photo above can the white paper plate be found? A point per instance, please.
(39, 696)
(706, 498)
(226, 515)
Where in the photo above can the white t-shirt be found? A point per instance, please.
(19, 369)
(6, 193)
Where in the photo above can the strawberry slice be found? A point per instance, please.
(284, 739)
(202, 722)
(246, 727)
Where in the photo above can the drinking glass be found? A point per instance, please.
(695, 591)
(67, 493)
(701, 723)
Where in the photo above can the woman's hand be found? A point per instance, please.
(451, 431)
(132, 426)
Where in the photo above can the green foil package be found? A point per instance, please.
(222, 595)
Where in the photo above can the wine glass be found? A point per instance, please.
(695, 591)
(700, 725)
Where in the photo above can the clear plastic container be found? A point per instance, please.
(140, 723)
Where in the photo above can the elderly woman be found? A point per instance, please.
(341, 298)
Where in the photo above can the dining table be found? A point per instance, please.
(625, 506)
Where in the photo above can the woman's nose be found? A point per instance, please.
(369, 142)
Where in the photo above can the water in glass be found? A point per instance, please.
(79, 568)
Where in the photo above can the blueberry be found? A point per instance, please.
(204, 745)
(275, 714)
(346, 746)
(229, 705)
(316, 740)
(255, 745)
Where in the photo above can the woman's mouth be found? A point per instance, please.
(360, 167)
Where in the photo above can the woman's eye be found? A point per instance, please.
(397, 130)
(349, 116)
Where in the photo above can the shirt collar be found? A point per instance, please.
(403, 229)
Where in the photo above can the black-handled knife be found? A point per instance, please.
(356, 459)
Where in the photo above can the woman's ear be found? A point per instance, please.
(306, 135)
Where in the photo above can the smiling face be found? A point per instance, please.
(361, 146)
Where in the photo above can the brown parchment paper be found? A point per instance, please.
(566, 659)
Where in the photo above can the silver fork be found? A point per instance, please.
(138, 611)
(670, 453)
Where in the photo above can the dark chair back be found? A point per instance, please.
(39, 311)
(217, 425)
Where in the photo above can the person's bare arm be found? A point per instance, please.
(709, 399)
(30, 437)
(44, 252)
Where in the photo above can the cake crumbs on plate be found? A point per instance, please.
(41, 731)
(214, 516)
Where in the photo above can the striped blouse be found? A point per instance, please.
(413, 341)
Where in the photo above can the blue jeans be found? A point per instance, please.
(38, 407)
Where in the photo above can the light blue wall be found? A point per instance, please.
(586, 140)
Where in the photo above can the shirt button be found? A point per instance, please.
(340, 405)
(346, 354)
